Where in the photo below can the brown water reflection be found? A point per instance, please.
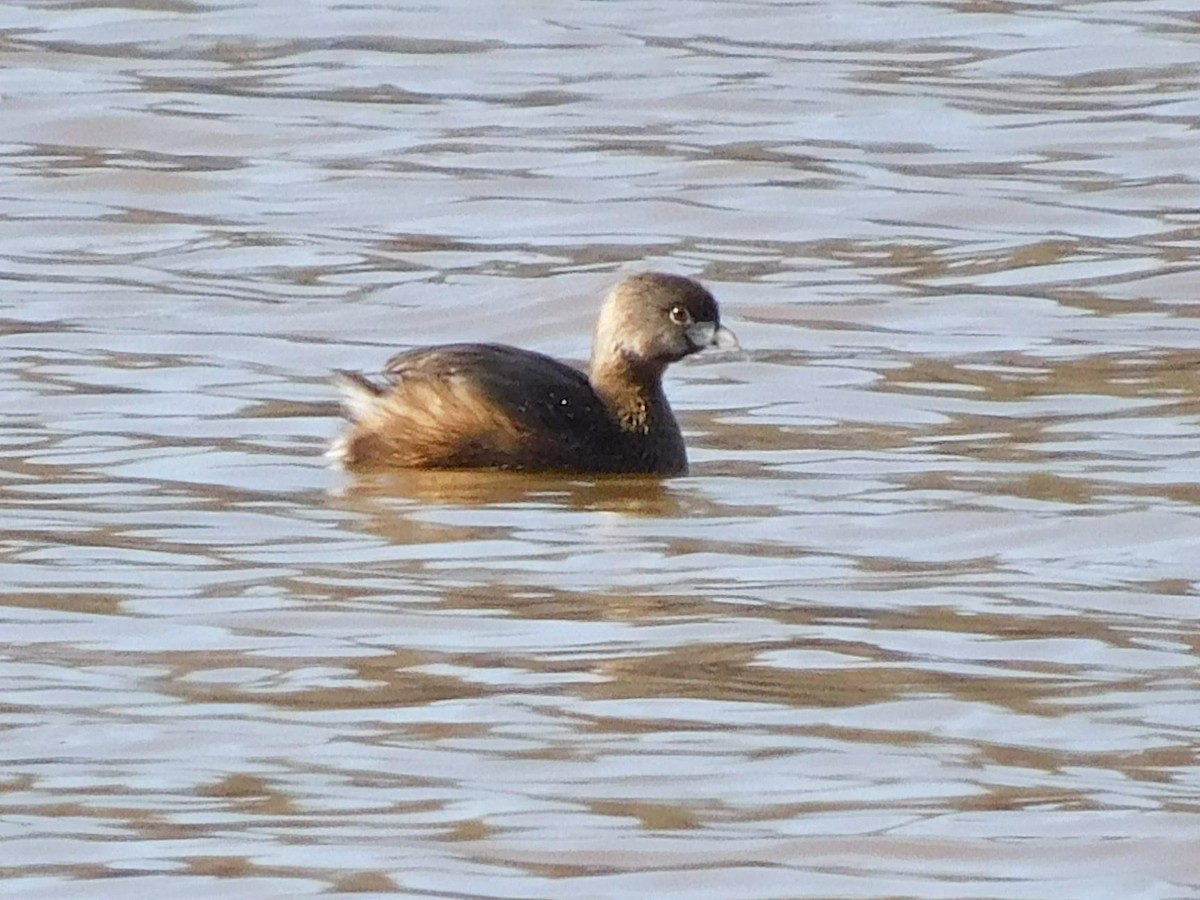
(922, 622)
(410, 489)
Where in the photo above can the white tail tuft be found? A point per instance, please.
(359, 396)
(339, 452)
(359, 399)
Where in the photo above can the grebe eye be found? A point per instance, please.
(679, 314)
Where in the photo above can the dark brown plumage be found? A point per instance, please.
(490, 406)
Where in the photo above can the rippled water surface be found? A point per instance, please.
(922, 622)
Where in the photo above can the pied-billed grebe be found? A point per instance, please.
(489, 406)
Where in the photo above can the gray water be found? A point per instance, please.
(922, 622)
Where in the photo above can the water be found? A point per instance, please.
(922, 621)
